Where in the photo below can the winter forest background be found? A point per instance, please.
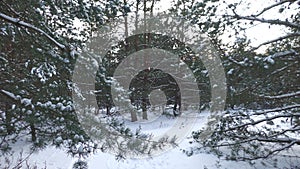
(258, 44)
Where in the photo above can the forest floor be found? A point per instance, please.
(53, 158)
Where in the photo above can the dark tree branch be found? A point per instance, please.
(244, 139)
(270, 21)
(281, 69)
(285, 147)
(262, 20)
(270, 7)
(277, 39)
(11, 9)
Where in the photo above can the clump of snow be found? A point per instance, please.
(11, 95)
(270, 60)
(59, 140)
(230, 71)
(26, 101)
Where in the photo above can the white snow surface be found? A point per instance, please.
(54, 158)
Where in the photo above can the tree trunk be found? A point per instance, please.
(144, 108)
(125, 22)
(8, 118)
(133, 116)
(33, 132)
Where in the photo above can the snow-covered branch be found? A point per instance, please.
(239, 63)
(24, 101)
(277, 109)
(245, 139)
(9, 94)
(270, 21)
(18, 22)
(284, 53)
(275, 151)
(269, 139)
(281, 96)
(263, 120)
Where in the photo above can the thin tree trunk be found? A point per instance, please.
(8, 118)
(33, 132)
(125, 21)
(133, 113)
(144, 108)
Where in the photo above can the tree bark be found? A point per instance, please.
(33, 132)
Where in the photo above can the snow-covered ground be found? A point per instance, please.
(54, 158)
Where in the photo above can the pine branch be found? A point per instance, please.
(269, 139)
(18, 22)
(277, 109)
(285, 147)
(263, 120)
(282, 96)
